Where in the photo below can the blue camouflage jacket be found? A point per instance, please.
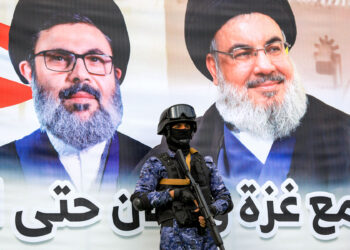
(153, 171)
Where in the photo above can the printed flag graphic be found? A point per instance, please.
(11, 92)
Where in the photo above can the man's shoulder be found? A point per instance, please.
(209, 123)
(155, 161)
(131, 152)
(318, 107)
(208, 160)
(154, 153)
(320, 115)
(211, 115)
(10, 165)
(37, 137)
(131, 143)
(9, 150)
(322, 147)
(210, 130)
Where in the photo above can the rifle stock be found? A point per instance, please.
(203, 206)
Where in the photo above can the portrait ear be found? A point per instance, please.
(26, 70)
(118, 73)
(210, 62)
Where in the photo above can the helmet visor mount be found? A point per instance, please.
(175, 112)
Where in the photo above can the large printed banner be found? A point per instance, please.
(82, 86)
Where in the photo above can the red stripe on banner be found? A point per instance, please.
(4, 36)
(12, 93)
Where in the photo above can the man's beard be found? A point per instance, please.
(277, 120)
(67, 126)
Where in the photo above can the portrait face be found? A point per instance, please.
(78, 38)
(72, 95)
(263, 77)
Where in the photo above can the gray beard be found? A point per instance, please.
(275, 121)
(68, 127)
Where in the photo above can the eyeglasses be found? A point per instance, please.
(65, 61)
(248, 54)
(176, 111)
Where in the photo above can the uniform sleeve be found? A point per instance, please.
(151, 173)
(222, 198)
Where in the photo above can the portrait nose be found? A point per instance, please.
(263, 64)
(79, 71)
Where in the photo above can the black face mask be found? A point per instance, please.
(179, 139)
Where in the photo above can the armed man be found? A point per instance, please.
(163, 186)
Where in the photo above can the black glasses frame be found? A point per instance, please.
(231, 54)
(76, 57)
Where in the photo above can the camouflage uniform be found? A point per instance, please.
(181, 237)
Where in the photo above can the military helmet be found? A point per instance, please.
(175, 114)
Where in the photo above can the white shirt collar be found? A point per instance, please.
(81, 165)
(257, 146)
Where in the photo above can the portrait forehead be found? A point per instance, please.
(254, 29)
(75, 37)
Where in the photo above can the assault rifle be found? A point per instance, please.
(202, 204)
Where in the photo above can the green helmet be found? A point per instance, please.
(175, 114)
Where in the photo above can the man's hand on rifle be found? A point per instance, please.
(185, 195)
(182, 194)
(200, 218)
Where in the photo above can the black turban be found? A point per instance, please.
(31, 16)
(205, 17)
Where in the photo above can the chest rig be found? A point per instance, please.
(176, 179)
